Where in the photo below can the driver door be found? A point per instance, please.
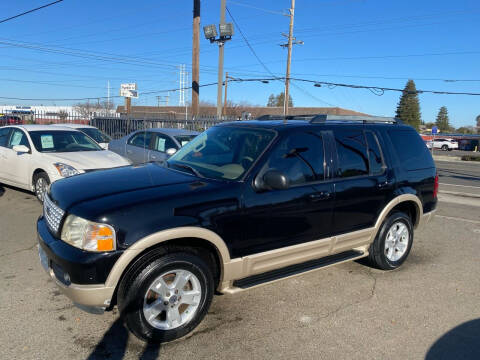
(299, 214)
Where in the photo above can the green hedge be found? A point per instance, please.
(470, 158)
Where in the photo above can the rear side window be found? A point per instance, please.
(352, 153)
(4, 136)
(411, 150)
(374, 154)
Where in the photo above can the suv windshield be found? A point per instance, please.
(62, 141)
(224, 152)
(96, 135)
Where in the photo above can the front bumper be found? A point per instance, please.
(65, 265)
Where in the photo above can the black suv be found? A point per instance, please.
(242, 205)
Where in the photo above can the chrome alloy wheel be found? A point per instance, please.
(172, 299)
(41, 188)
(396, 242)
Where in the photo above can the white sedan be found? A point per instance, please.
(34, 156)
(443, 143)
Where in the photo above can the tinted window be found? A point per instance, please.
(374, 154)
(4, 136)
(411, 150)
(163, 142)
(300, 157)
(18, 137)
(352, 153)
(62, 141)
(141, 139)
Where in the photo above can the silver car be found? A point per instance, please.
(151, 144)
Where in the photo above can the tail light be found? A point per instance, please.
(435, 187)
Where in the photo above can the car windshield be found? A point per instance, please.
(184, 139)
(96, 135)
(62, 141)
(223, 152)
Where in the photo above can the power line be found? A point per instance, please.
(30, 11)
(377, 90)
(265, 66)
(256, 8)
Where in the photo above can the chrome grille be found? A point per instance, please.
(52, 213)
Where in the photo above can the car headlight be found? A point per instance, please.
(66, 170)
(88, 235)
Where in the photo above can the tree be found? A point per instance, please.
(443, 122)
(478, 124)
(408, 109)
(465, 130)
(279, 100)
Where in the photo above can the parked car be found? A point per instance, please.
(10, 120)
(241, 205)
(151, 144)
(100, 137)
(443, 143)
(469, 144)
(34, 156)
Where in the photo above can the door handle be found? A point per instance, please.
(323, 195)
(384, 184)
(153, 157)
(129, 151)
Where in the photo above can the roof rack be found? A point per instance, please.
(322, 118)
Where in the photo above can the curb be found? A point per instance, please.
(453, 159)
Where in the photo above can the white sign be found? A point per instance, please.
(131, 86)
(129, 90)
(129, 93)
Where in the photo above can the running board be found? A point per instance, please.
(292, 270)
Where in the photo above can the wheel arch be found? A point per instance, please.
(408, 203)
(183, 236)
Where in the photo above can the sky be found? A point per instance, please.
(74, 48)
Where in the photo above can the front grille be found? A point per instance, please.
(52, 213)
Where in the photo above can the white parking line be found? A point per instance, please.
(457, 219)
(467, 186)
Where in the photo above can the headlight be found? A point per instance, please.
(88, 235)
(66, 170)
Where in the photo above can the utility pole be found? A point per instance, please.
(196, 58)
(223, 5)
(289, 59)
(128, 103)
(225, 98)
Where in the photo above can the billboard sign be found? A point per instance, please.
(129, 90)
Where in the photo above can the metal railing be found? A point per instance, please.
(118, 127)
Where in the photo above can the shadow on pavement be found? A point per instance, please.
(462, 342)
(114, 345)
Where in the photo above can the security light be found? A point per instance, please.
(317, 85)
(226, 30)
(210, 32)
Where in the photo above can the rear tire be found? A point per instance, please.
(393, 242)
(445, 147)
(41, 181)
(153, 303)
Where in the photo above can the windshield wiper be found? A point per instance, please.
(188, 167)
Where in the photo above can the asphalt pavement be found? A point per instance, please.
(429, 308)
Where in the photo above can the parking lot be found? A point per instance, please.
(429, 308)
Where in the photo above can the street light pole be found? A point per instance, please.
(221, 44)
(289, 60)
(196, 58)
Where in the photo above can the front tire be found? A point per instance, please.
(41, 181)
(392, 245)
(167, 298)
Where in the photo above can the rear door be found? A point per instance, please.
(4, 136)
(160, 144)
(362, 182)
(17, 165)
(137, 147)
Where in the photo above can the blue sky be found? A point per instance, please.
(365, 42)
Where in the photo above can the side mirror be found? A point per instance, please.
(21, 149)
(276, 180)
(171, 151)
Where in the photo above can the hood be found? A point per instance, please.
(97, 184)
(87, 160)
